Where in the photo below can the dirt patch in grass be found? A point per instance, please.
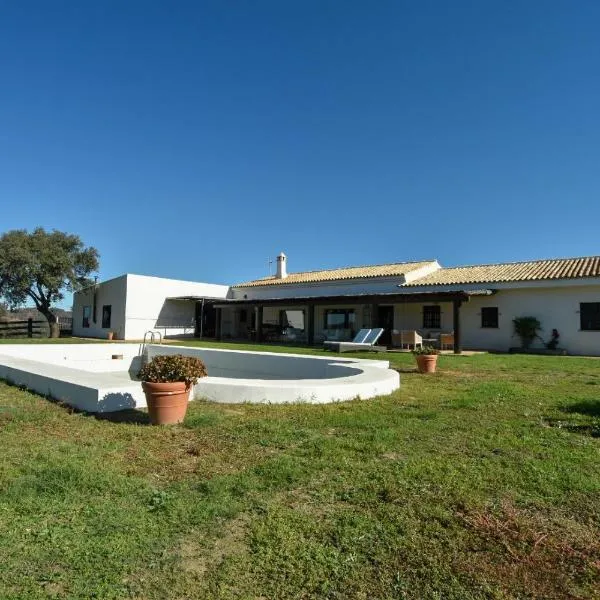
(199, 557)
(393, 456)
(181, 452)
(526, 553)
(461, 374)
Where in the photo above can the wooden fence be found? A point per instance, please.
(34, 328)
(26, 328)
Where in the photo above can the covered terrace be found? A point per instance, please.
(309, 317)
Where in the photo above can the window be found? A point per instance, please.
(87, 313)
(489, 317)
(243, 315)
(106, 310)
(589, 313)
(339, 318)
(291, 318)
(432, 317)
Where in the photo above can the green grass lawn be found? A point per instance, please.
(482, 481)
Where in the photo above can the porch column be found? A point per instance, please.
(197, 320)
(259, 323)
(456, 318)
(218, 314)
(310, 324)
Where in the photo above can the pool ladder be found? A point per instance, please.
(152, 336)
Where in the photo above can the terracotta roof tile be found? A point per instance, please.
(536, 270)
(389, 270)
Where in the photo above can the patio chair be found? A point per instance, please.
(407, 338)
(368, 344)
(446, 339)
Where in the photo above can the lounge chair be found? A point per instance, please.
(359, 338)
(368, 344)
(407, 338)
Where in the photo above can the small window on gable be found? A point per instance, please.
(589, 315)
(87, 313)
(489, 317)
(432, 317)
(106, 313)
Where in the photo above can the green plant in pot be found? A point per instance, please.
(167, 381)
(527, 329)
(426, 357)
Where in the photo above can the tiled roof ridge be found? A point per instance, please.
(293, 275)
(520, 262)
(402, 262)
(531, 270)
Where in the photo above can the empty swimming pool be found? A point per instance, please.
(102, 377)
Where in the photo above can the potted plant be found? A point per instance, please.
(166, 381)
(110, 335)
(527, 329)
(426, 357)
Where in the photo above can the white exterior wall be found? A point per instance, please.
(140, 303)
(556, 308)
(113, 293)
(148, 308)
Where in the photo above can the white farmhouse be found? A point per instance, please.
(474, 305)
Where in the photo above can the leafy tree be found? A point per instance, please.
(41, 266)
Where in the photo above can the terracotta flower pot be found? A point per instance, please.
(110, 335)
(167, 402)
(427, 363)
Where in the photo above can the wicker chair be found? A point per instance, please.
(401, 339)
(447, 340)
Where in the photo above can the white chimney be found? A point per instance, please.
(281, 266)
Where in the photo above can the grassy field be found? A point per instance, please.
(482, 481)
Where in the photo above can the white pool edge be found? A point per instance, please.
(107, 392)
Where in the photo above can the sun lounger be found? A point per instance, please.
(368, 344)
(359, 338)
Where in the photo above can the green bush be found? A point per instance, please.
(172, 368)
(527, 328)
(428, 350)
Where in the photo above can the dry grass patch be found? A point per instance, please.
(527, 552)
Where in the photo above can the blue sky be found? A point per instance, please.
(196, 140)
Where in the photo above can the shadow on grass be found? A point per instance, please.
(587, 429)
(591, 408)
(584, 408)
(130, 416)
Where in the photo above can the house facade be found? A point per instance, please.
(476, 303)
(131, 305)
